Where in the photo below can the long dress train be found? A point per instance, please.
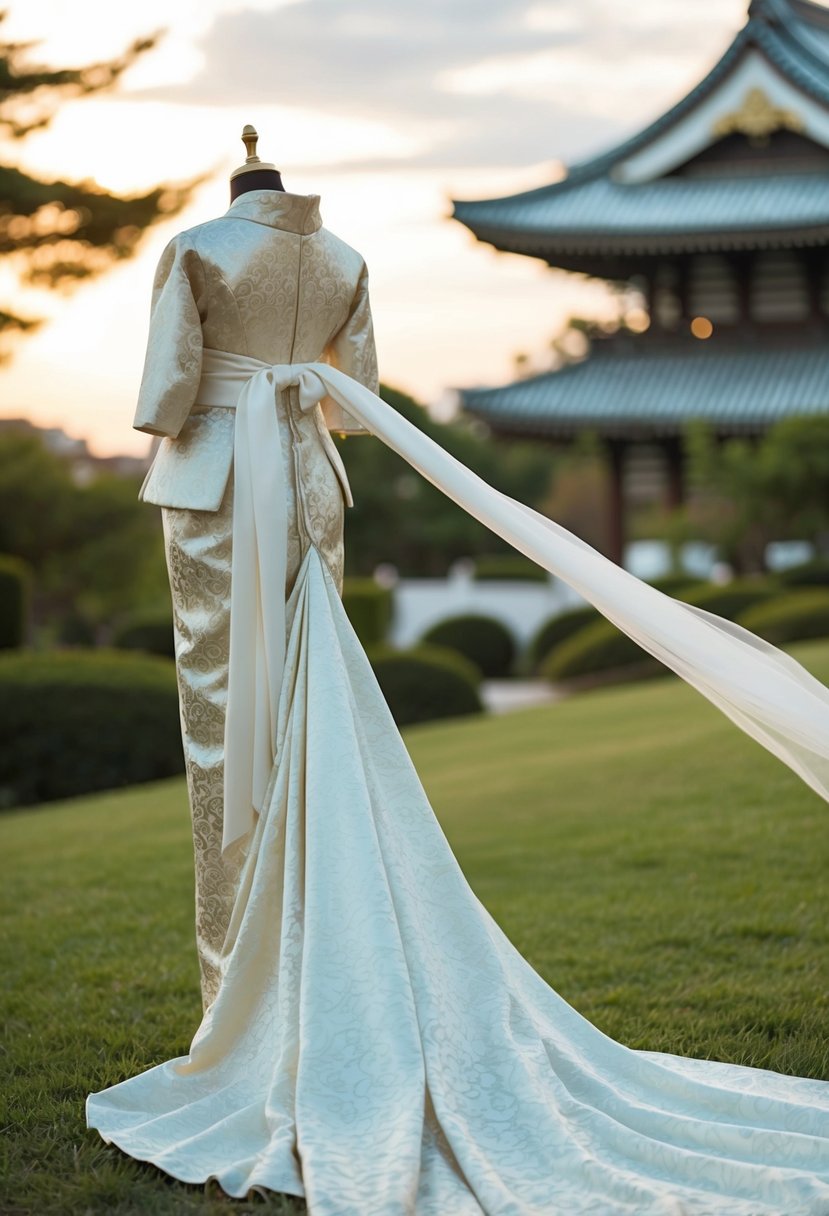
(379, 1046)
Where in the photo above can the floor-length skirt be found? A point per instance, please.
(198, 550)
(379, 1046)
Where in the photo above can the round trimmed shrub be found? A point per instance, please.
(814, 573)
(595, 648)
(556, 629)
(509, 566)
(485, 641)
(425, 682)
(730, 599)
(150, 633)
(72, 722)
(793, 617)
(75, 629)
(369, 608)
(15, 598)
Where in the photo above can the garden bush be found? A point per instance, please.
(556, 629)
(426, 682)
(728, 600)
(509, 566)
(792, 617)
(369, 608)
(151, 633)
(72, 722)
(806, 574)
(598, 647)
(485, 641)
(75, 629)
(15, 597)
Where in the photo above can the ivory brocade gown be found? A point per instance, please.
(371, 1039)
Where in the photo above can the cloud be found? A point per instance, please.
(466, 82)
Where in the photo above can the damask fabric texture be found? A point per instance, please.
(267, 280)
(198, 547)
(378, 1045)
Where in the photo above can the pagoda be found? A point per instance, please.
(718, 214)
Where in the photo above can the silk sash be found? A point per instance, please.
(761, 688)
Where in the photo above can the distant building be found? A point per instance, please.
(718, 212)
(85, 467)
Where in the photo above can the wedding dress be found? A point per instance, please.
(376, 1044)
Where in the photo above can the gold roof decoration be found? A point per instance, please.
(250, 138)
(757, 117)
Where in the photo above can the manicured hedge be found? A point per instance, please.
(509, 566)
(730, 599)
(814, 573)
(72, 722)
(75, 629)
(15, 597)
(425, 683)
(595, 648)
(152, 634)
(556, 630)
(369, 608)
(485, 641)
(792, 617)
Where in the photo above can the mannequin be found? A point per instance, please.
(254, 174)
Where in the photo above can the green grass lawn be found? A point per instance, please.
(659, 869)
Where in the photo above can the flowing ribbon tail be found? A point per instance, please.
(257, 606)
(763, 690)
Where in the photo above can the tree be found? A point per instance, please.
(95, 550)
(62, 232)
(400, 517)
(751, 492)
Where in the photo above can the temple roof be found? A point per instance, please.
(636, 388)
(667, 189)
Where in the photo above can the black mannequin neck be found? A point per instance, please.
(257, 179)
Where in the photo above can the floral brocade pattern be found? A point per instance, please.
(269, 281)
(198, 546)
(266, 280)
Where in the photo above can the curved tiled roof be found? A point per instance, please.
(645, 389)
(793, 35)
(610, 213)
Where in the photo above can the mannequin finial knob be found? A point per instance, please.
(250, 138)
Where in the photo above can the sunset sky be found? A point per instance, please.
(385, 108)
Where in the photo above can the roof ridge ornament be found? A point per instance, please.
(757, 118)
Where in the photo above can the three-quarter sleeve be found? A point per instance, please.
(173, 362)
(352, 350)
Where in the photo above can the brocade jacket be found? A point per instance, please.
(265, 279)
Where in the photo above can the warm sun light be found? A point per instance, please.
(448, 311)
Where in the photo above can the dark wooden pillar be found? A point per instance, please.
(813, 270)
(675, 481)
(744, 271)
(616, 449)
(683, 289)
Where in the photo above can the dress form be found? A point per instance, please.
(254, 174)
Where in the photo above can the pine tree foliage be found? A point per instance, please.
(57, 233)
